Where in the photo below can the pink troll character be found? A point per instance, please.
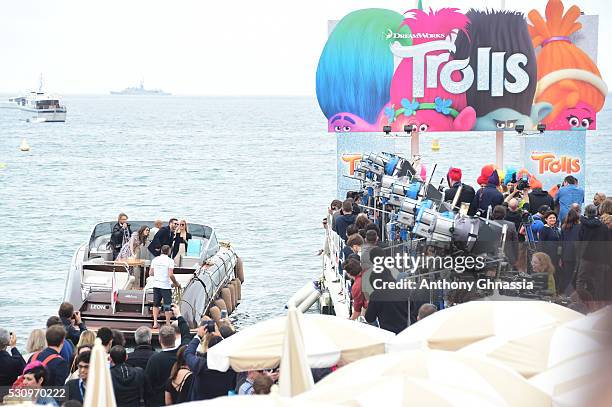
(437, 109)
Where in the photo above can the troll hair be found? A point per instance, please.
(503, 31)
(559, 55)
(443, 21)
(356, 65)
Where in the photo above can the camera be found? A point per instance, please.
(223, 313)
(523, 183)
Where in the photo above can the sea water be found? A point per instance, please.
(260, 170)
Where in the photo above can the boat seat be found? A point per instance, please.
(104, 279)
(189, 262)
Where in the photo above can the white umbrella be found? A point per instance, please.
(571, 383)
(455, 327)
(99, 392)
(295, 375)
(595, 322)
(533, 352)
(398, 391)
(270, 400)
(464, 372)
(328, 340)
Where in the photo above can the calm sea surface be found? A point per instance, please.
(259, 170)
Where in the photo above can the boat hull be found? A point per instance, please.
(46, 115)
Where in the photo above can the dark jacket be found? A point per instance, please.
(128, 385)
(569, 244)
(594, 239)
(163, 236)
(342, 222)
(515, 217)
(117, 236)
(140, 356)
(467, 195)
(550, 243)
(390, 307)
(74, 391)
(488, 196)
(57, 369)
(207, 383)
(11, 366)
(158, 369)
(73, 333)
(176, 243)
(538, 198)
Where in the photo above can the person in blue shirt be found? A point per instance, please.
(569, 193)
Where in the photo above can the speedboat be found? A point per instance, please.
(118, 294)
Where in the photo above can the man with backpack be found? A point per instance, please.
(57, 368)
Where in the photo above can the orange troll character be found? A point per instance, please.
(567, 77)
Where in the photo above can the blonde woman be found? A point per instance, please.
(87, 338)
(36, 343)
(541, 263)
(179, 244)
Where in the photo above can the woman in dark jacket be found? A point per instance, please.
(550, 242)
(120, 235)
(569, 253)
(179, 244)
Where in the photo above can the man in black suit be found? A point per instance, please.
(11, 363)
(164, 236)
(76, 387)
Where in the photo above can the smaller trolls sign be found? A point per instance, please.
(443, 70)
(550, 158)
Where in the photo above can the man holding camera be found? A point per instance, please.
(71, 321)
(538, 197)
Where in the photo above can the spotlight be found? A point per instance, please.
(387, 129)
(541, 127)
(520, 128)
(408, 128)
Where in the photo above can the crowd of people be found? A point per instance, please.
(61, 354)
(546, 232)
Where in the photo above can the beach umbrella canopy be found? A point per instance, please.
(269, 400)
(572, 382)
(99, 383)
(533, 352)
(455, 327)
(397, 391)
(295, 375)
(599, 321)
(328, 340)
(466, 373)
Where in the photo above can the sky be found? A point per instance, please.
(194, 47)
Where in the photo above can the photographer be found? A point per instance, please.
(71, 321)
(207, 383)
(538, 197)
(120, 235)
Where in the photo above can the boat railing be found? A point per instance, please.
(334, 257)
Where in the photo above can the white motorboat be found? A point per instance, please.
(40, 106)
(117, 294)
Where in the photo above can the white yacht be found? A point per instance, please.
(45, 107)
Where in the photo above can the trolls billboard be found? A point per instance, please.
(444, 70)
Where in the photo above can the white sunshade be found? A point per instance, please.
(464, 374)
(455, 327)
(328, 340)
(533, 352)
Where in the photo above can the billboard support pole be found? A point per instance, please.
(499, 149)
(414, 143)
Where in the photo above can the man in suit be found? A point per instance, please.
(164, 236)
(76, 387)
(11, 361)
